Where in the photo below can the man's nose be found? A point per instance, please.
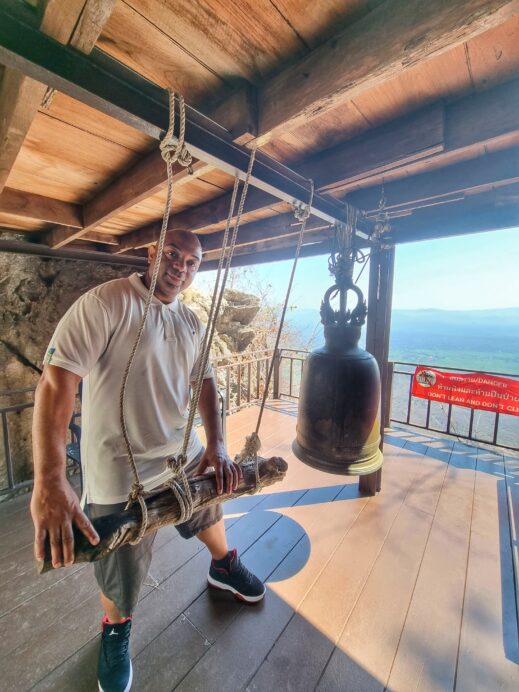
(180, 263)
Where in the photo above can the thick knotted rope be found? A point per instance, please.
(174, 150)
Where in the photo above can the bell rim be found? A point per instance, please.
(362, 468)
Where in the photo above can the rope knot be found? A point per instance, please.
(176, 465)
(302, 212)
(173, 149)
(135, 493)
(250, 449)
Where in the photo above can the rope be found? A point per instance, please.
(225, 258)
(252, 441)
(173, 150)
(303, 217)
(217, 296)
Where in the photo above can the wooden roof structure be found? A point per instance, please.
(412, 103)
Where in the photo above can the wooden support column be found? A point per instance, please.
(380, 294)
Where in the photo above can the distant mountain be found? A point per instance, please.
(473, 339)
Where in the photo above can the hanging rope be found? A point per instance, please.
(173, 150)
(218, 292)
(252, 441)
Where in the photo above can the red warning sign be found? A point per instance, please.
(472, 390)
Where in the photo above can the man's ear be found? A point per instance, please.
(152, 251)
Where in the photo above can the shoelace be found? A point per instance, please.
(115, 648)
(239, 570)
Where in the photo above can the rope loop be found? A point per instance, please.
(137, 495)
(173, 149)
(250, 453)
(176, 464)
(179, 485)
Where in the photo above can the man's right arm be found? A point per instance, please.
(55, 507)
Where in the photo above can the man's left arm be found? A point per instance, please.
(227, 472)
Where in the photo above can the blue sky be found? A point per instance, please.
(468, 272)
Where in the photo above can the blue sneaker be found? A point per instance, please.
(114, 671)
(230, 574)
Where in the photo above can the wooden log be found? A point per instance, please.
(118, 529)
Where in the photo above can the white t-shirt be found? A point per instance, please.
(94, 340)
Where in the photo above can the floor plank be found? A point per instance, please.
(427, 651)
(488, 654)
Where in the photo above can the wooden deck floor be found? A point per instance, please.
(410, 590)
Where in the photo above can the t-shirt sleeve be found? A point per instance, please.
(81, 336)
(208, 371)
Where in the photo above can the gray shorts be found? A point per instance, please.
(121, 574)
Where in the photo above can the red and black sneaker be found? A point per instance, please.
(230, 574)
(114, 672)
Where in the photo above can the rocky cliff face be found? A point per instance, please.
(36, 292)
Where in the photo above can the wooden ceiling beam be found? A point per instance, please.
(76, 21)
(280, 226)
(494, 210)
(425, 137)
(38, 208)
(263, 243)
(267, 256)
(397, 35)
(488, 213)
(196, 218)
(144, 179)
(466, 178)
(467, 124)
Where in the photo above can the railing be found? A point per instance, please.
(16, 474)
(243, 376)
(288, 372)
(499, 430)
(7, 413)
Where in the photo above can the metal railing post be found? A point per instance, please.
(277, 364)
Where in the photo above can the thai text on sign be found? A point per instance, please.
(472, 390)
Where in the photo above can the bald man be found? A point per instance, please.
(92, 342)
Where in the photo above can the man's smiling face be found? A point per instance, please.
(181, 258)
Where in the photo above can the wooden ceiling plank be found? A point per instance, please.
(474, 120)
(437, 134)
(478, 214)
(20, 96)
(407, 139)
(104, 238)
(135, 41)
(143, 180)
(469, 177)
(197, 218)
(263, 244)
(274, 227)
(238, 41)
(267, 256)
(369, 52)
(37, 207)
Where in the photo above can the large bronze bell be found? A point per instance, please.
(338, 424)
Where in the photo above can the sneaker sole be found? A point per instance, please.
(128, 686)
(226, 587)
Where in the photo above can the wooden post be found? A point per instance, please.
(380, 294)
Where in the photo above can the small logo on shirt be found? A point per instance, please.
(48, 355)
